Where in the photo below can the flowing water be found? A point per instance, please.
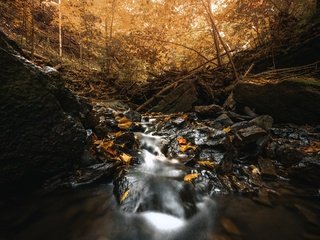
(159, 205)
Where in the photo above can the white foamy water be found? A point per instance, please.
(163, 222)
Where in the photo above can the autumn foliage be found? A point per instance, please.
(129, 39)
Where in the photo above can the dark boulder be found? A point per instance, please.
(295, 100)
(180, 99)
(40, 132)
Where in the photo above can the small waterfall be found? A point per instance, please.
(157, 189)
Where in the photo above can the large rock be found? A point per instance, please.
(40, 130)
(181, 99)
(295, 100)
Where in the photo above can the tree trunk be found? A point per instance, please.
(32, 30)
(60, 29)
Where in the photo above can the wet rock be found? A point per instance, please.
(38, 136)
(132, 115)
(267, 169)
(223, 120)
(210, 111)
(263, 121)
(294, 100)
(181, 99)
(288, 155)
(102, 120)
(240, 125)
(306, 172)
(249, 135)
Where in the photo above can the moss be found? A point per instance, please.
(303, 82)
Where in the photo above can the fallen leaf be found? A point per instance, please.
(124, 196)
(125, 125)
(125, 158)
(255, 170)
(185, 148)
(190, 177)
(97, 142)
(121, 145)
(167, 118)
(227, 129)
(185, 117)
(314, 147)
(182, 141)
(118, 134)
(107, 147)
(206, 163)
(121, 119)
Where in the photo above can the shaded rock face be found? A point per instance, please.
(37, 136)
(296, 100)
(180, 99)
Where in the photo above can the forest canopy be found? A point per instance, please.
(130, 39)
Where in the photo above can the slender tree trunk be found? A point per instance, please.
(113, 8)
(218, 39)
(214, 34)
(60, 29)
(32, 30)
(24, 23)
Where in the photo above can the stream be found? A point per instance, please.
(158, 204)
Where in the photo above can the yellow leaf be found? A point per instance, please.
(125, 158)
(185, 148)
(122, 145)
(124, 196)
(97, 142)
(182, 141)
(167, 118)
(206, 163)
(190, 177)
(118, 134)
(185, 117)
(125, 125)
(255, 170)
(123, 122)
(227, 129)
(314, 147)
(106, 145)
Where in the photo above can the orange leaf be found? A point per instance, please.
(190, 177)
(125, 158)
(182, 140)
(206, 163)
(124, 196)
(314, 147)
(185, 117)
(227, 129)
(185, 148)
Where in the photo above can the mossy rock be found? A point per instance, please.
(295, 100)
(38, 137)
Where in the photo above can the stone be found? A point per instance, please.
(250, 134)
(295, 100)
(263, 121)
(209, 111)
(224, 120)
(181, 99)
(39, 135)
(267, 169)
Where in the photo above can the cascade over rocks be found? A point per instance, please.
(40, 128)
